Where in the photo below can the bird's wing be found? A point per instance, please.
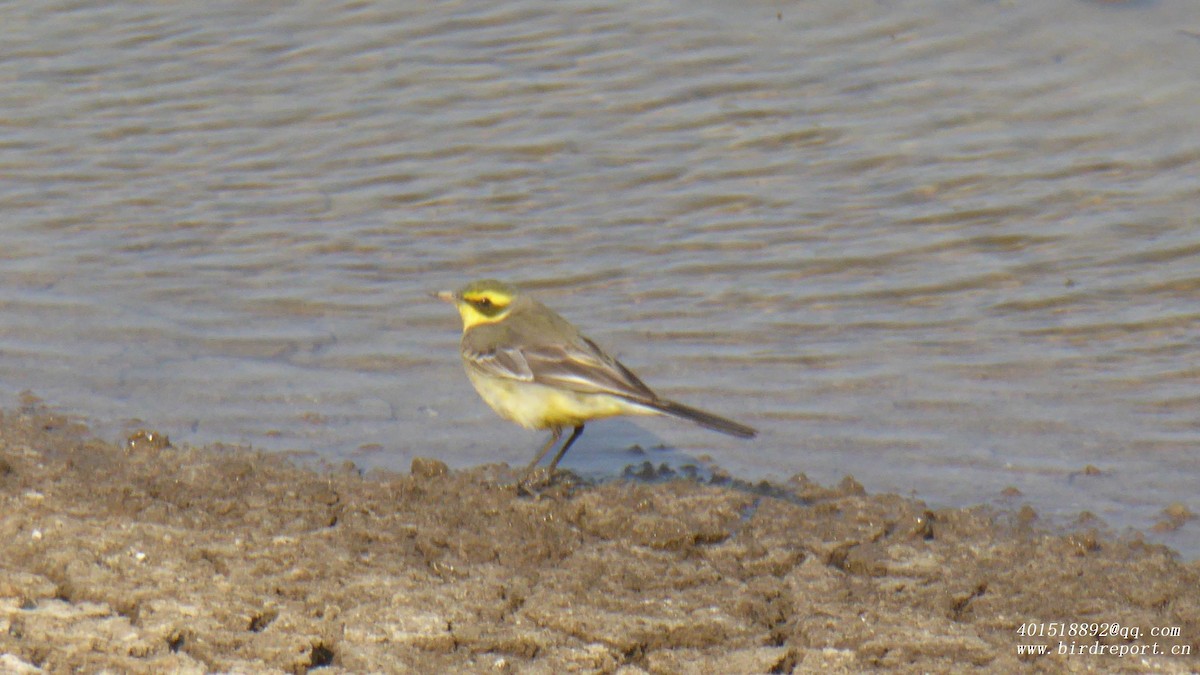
(583, 367)
(579, 366)
(548, 350)
(506, 362)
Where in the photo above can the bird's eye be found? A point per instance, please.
(485, 302)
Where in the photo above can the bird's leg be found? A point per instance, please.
(555, 434)
(528, 485)
(566, 446)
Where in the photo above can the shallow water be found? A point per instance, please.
(948, 250)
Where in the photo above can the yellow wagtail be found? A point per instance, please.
(536, 369)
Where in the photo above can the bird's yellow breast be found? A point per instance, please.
(536, 406)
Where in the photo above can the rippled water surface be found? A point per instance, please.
(948, 248)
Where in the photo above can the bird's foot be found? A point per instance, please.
(546, 482)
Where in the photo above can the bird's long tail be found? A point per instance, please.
(704, 419)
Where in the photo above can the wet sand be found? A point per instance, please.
(149, 558)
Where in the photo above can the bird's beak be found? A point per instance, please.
(448, 296)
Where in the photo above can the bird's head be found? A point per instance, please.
(480, 302)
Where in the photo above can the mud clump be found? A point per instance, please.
(150, 558)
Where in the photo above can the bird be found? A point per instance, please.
(535, 368)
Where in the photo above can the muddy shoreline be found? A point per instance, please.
(146, 558)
